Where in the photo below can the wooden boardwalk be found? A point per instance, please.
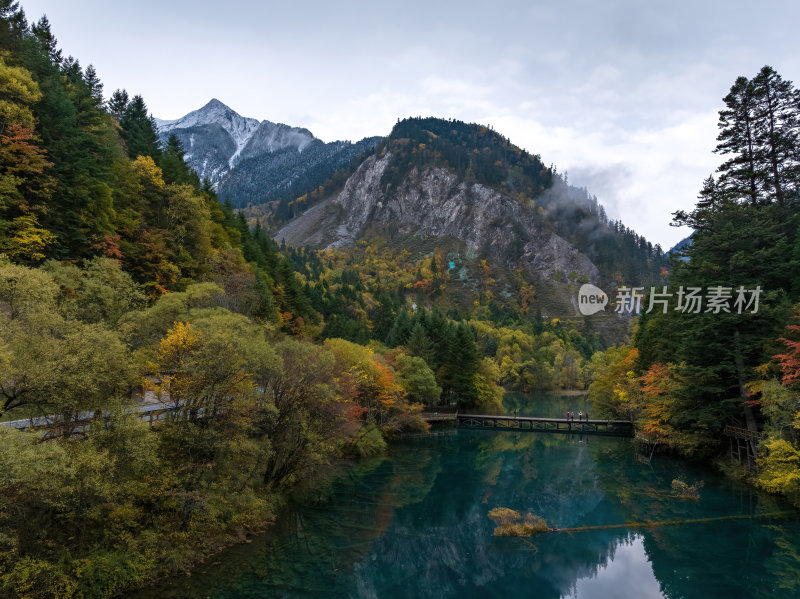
(154, 413)
(612, 428)
(743, 446)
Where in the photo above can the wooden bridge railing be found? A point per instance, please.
(617, 428)
(743, 446)
(742, 433)
(152, 413)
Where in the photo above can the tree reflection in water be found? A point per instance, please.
(414, 524)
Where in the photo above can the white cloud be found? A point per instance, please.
(628, 573)
(622, 94)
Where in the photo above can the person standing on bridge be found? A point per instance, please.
(580, 416)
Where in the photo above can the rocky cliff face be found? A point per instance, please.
(212, 137)
(273, 137)
(435, 202)
(252, 162)
(216, 139)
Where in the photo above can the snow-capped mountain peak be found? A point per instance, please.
(216, 138)
(215, 112)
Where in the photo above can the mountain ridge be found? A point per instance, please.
(436, 203)
(483, 162)
(249, 136)
(467, 191)
(240, 128)
(249, 161)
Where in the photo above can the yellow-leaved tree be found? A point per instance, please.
(23, 188)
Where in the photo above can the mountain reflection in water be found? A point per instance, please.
(414, 523)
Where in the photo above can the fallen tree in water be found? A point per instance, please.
(684, 490)
(511, 523)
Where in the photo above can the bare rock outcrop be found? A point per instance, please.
(435, 202)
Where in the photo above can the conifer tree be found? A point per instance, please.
(382, 316)
(400, 329)
(419, 344)
(173, 165)
(759, 131)
(12, 23)
(460, 366)
(746, 232)
(709, 202)
(139, 130)
(94, 84)
(737, 137)
(41, 31)
(118, 103)
(777, 132)
(71, 67)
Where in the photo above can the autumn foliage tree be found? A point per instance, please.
(779, 399)
(790, 360)
(616, 390)
(23, 186)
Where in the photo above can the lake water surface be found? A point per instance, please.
(546, 405)
(414, 523)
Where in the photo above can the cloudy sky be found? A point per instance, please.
(621, 94)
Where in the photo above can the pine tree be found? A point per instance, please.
(777, 132)
(41, 31)
(460, 366)
(80, 144)
(12, 23)
(293, 299)
(174, 167)
(400, 330)
(118, 103)
(71, 67)
(746, 235)
(759, 131)
(382, 317)
(709, 203)
(94, 84)
(419, 344)
(139, 130)
(737, 137)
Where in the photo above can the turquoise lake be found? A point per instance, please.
(546, 405)
(414, 523)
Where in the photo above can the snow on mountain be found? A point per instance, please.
(216, 138)
(215, 112)
(252, 162)
(274, 137)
